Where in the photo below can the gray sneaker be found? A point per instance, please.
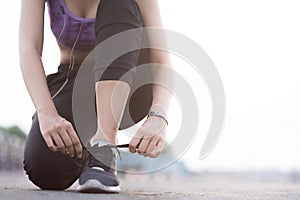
(99, 173)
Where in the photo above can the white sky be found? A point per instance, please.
(255, 46)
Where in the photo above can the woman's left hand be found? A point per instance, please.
(150, 138)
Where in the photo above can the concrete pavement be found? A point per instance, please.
(14, 186)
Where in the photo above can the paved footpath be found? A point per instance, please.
(14, 186)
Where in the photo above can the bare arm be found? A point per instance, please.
(30, 52)
(152, 133)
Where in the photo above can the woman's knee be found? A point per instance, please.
(46, 169)
(48, 181)
(50, 174)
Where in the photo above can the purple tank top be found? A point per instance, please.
(59, 15)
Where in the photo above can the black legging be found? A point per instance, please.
(53, 170)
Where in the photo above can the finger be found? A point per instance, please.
(59, 143)
(135, 141)
(143, 145)
(152, 153)
(75, 140)
(160, 146)
(67, 141)
(146, 154)
(133, 144)
(152, 145)
(49, 143)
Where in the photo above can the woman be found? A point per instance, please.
(55, 155)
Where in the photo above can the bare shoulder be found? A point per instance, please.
(32, 23)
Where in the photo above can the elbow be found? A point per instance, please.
(28, 52)
(24, 49)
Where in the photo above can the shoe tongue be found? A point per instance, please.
(100, 143)
(104, 155)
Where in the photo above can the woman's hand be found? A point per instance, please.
(150, 138)
(59, 135)
(57, 132)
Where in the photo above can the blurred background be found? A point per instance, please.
(255, 46)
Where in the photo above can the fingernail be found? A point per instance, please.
(79, 155)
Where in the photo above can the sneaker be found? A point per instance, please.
(99, 171)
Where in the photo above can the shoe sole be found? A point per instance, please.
(94, 186)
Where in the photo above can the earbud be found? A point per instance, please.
(62, 10)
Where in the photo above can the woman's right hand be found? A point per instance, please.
(59, 134)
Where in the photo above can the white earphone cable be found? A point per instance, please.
(72, 58)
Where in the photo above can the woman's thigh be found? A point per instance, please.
(114, 17)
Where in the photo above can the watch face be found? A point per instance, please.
(153, 112)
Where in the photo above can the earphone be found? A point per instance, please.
(71, 63)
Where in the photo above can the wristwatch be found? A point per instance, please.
(158, 114)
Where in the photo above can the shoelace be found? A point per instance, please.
(120, 146)
(105, 156)
(101, 156)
